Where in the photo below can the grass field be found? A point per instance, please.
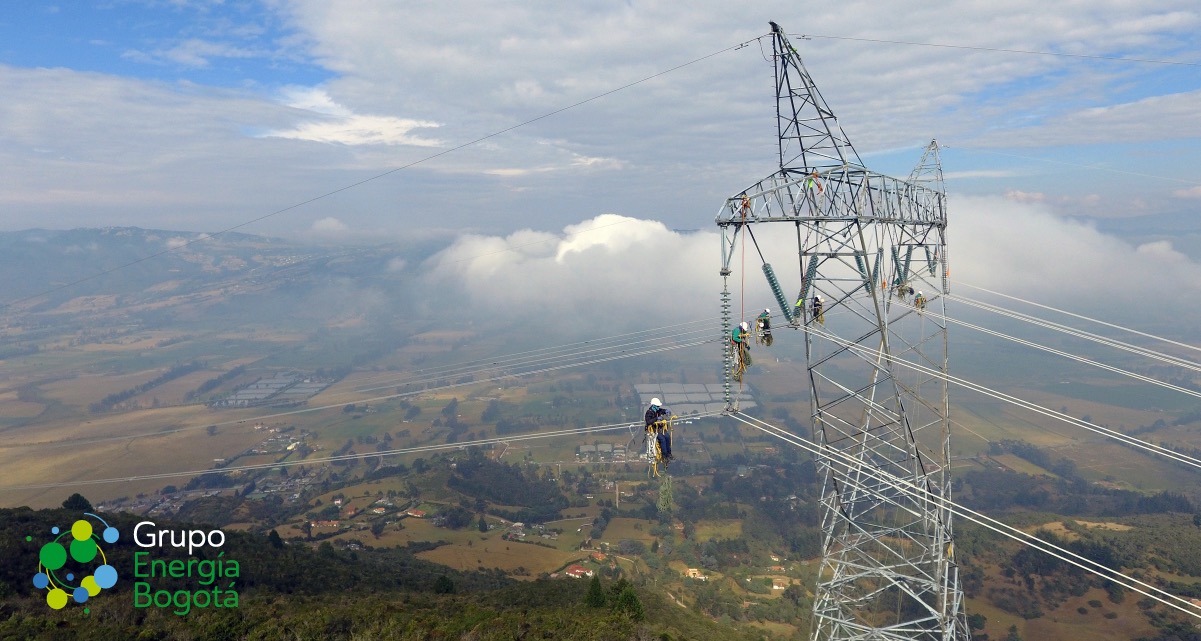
(724, 529)
(12, 408)
(626, 528)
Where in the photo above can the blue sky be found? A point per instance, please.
(201, 115)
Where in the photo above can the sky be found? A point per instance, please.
(500, 125)
(204, 115)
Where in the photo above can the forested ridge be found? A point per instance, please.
(296, 592)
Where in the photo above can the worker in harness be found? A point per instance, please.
(739, 337)
(818, 308)
(763, 328)
(658, 431)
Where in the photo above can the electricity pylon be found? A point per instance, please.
(867, 245)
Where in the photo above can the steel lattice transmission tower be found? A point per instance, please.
(862, 240)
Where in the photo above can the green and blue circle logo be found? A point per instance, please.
(67, 565)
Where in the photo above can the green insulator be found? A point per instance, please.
(861, 263)
(896, 267)
(905, 269)
(777, 291)
(871, 286)
(810, 274)
(930, 260)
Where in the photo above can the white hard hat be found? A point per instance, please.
(919, 292)
(743, 325)
(656, 401)
(766, 310)
(818, 297)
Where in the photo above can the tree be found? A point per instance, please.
(1013, 634)
(627, 601)
(276, 542)
(976, 621)
(483, 524)
(596, 595)
(77, 503)
(444, 585)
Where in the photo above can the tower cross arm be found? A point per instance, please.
(842, 193)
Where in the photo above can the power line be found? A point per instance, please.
(1031, 52)
(1071, 331)
(343, 457)
(1073, 164)
(1069, 355)
(531, 356)
(389, 172)
(857, 468)
(1034, 407)
(1082, 317)
(617, 353)
(544, 356)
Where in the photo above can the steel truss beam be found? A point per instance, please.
(888, 568)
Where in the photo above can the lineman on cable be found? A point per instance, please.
(657, 431)
(738, 340)
(818, 308)
(763, 328)
(765, 321)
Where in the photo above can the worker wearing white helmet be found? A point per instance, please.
(764, 320)
(819, 307)
(655, 429)
(655, 411)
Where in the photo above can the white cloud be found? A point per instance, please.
(1191, 192)
(189, 155)
(1025, 197)
(340, 125)
(1029, 251)
(329, 225)
(607, 273)
(614, 273)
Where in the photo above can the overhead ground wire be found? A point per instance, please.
(540, 355)
(1082, 317)
(611, 427)
(1068, 355)
(833, 456)
(1071, 331)
(1034, 407)
(1031, 52)
(616, 353)
(389, 172)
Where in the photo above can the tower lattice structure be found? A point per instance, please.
(867, 244)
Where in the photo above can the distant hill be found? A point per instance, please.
(150, 277)
(121, 260)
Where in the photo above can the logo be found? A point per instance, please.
(67, 566)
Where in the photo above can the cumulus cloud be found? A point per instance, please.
(1030, 251)
(607, 273)
(615, 273)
